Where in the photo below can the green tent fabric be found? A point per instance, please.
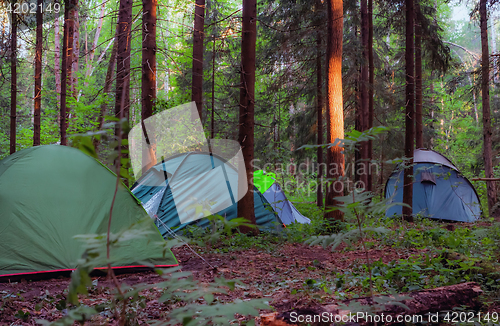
(49, 194)
(263, 181)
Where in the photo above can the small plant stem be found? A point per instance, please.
(368, 263)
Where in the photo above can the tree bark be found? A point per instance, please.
(37, 98)
(212, 112)
(148, 74)
(57, 63)
(76, 51)
(364, 94)
(247, 103)
(409, 120)
(319, 112)
(419, 135)
(334, 106)
(371, 69)
(122, 97)
(485, 89)
(69, 5)
(198, 34)
(13, 83)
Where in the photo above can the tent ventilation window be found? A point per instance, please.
(428, 177)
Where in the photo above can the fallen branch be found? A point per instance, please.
(485, 179)
(422, 302)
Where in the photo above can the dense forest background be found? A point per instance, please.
(290, 50)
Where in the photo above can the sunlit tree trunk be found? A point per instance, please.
(37, 98)
(409, 120)
(334, 105)
(13, 83)
(485, 89)
(198, 34)
(319, 112)
(247, 103)
(148, 73)
(419, 134)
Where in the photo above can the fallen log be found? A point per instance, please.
(425, 303)
(485, 179)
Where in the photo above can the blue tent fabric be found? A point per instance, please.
(439, 190)
(287, 213)
(197, 177)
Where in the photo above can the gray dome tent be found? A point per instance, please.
(439, 190)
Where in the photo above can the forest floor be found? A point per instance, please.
(275, 274)
(291, 275)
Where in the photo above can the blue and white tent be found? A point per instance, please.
(439, 190)
(180, 190)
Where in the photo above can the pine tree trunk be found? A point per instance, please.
(57, 62)
(364, 95)
(247, 103)
(198, 34)
(419, 135)
(409, 120)
(370, 89)
(122, 98)
(38, 74)
(69, 5)
(212, 120)
(334, 105)
(319, 112)
(148, 74)
(76, 51)
(13, 83)
(485, 88)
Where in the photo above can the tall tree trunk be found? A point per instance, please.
(198, 34)
(76, 51)
(364, 94)
(148, 74)
(371, 69)
(69, 6)
(13, 82)
(247, 103)
(57, 63)
(37, 105)
(334, 105)
(409, 120)
(419, 135)
(319, 112)
(212, 120)
(122, 98)
(485, 89)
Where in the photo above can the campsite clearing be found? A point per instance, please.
(291, 275)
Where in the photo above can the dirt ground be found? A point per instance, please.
(273, 274)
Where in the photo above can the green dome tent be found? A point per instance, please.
(49, 194)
